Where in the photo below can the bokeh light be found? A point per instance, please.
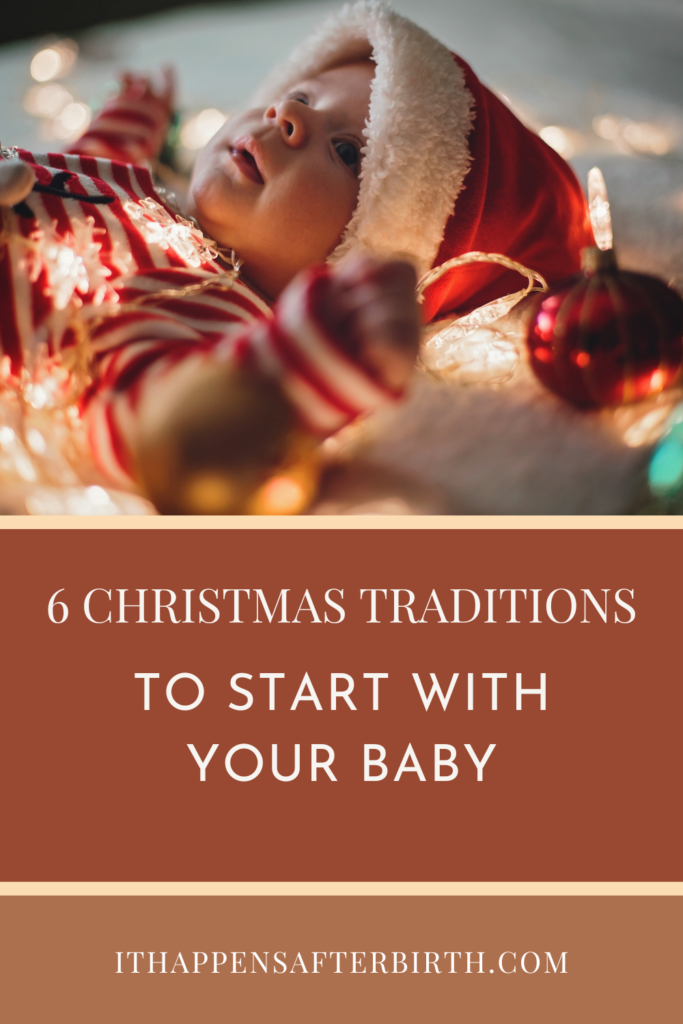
(282, 496)
(75, 117)
(54, 61)
(72, 122)
(558, 139)
(606, 126)
(46, 64)
(640, 136)
(196, 132)
(646, 138)
(46, 100)
(666, 467)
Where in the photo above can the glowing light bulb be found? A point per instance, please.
(75, 116)
(54, 61)
(282, 496)
(598, 205)
(97, 495)
(36, 442)
(46, 64)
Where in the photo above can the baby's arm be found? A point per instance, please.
(339, 345)
(133, 126)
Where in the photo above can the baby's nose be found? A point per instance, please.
(290, 117)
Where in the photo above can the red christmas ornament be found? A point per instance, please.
(606, 336)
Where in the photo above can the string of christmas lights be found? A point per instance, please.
(45, 462)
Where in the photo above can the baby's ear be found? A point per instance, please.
(16, 181)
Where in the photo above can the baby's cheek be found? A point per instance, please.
(208, 194)
(329, 210)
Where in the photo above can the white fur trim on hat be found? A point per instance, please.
(421, 112)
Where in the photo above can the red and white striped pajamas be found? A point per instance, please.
(88, 249)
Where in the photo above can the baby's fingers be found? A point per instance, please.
(140, 88)
(383, 306)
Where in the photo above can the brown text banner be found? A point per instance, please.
(471, 716)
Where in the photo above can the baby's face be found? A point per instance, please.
(280, 185)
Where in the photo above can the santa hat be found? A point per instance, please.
(447, 168)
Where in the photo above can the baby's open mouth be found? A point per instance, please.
(247, 164)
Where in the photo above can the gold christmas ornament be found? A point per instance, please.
(224, 440)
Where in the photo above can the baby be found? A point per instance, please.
(372, 154)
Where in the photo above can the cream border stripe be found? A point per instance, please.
(341, 889)
(341, 522)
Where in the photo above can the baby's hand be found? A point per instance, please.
(373, 308)
(133, 125)
(139, 89)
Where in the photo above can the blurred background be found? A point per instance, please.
(601, 80)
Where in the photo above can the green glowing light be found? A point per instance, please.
(666, 467)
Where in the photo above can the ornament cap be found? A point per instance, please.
(594, 260)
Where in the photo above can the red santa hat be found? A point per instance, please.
(447, 168)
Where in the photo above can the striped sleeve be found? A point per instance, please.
(327, 386)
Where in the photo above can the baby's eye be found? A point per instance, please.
(348, 154)
(299, 97)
